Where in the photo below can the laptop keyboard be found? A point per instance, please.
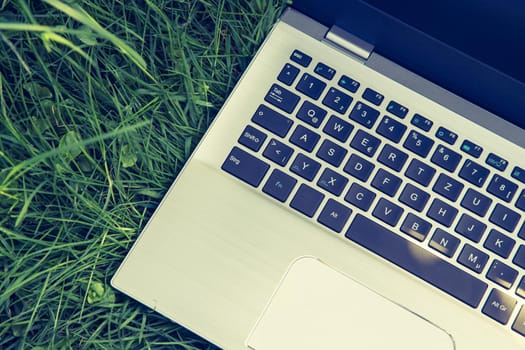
(392, 181)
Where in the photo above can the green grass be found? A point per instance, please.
(101, 103)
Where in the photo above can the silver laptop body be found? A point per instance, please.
(214, 253)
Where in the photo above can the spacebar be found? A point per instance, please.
(416, 260)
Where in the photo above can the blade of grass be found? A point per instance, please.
(76, 12)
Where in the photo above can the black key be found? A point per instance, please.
(416, 227)
(520, 290)
(446, 158)
(414, 197)
(334, 215)
(446, 135)
(471, 148)
(278, 152)
(473, 258)
(386, 182)
(364, 114)
(311, 86)
(502, 274)
(305, 167)
(474, 173)
(252, 138)
(338, 128)
(332, 182)
(279, 185)
(304, 138)
(504, 217)
(520, 203)
(499, 306)
(373, 96)
(442, 212)
(272, 121)
(415, 260)
(301, 58)
(365, 143)
(519, 174)
(245, 167)
(324, 71)
(420, 172)
(476, 202)
(387, 212)
(348, 83)
(519, 323)
(392, 157)
(360, 196)
(448, 187)
(521, 232)
(499, 243)
(421, 122)
(282, 98)
(496, 162)
(397, 109)
(337, 100)
(359, 167)
(311, 114)
(444, 242)
(470, 228)
(307, 200)
(502, 188)
(418, 143)
(288, 74)
(519, 258)
(331, 153)
(391, 129)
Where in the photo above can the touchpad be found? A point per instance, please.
(317, 307)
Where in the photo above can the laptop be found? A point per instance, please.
(363, 187)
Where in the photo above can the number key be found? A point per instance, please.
(311, 86)
(474, 173)
(364, 114)
(391, 129)
(418, 143)
(502, 188)
(446, 158)
(337, 100)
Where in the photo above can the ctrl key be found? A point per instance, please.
(244, 166)
(519, 324)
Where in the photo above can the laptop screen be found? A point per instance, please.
(474, 48)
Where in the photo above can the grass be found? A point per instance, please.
(101, 103)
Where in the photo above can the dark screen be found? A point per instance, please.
(490, 31)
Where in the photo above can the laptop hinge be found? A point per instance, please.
(349, 43)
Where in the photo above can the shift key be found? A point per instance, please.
(417, 260)
(244, 166)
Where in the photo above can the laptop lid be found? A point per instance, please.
(473, 48)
